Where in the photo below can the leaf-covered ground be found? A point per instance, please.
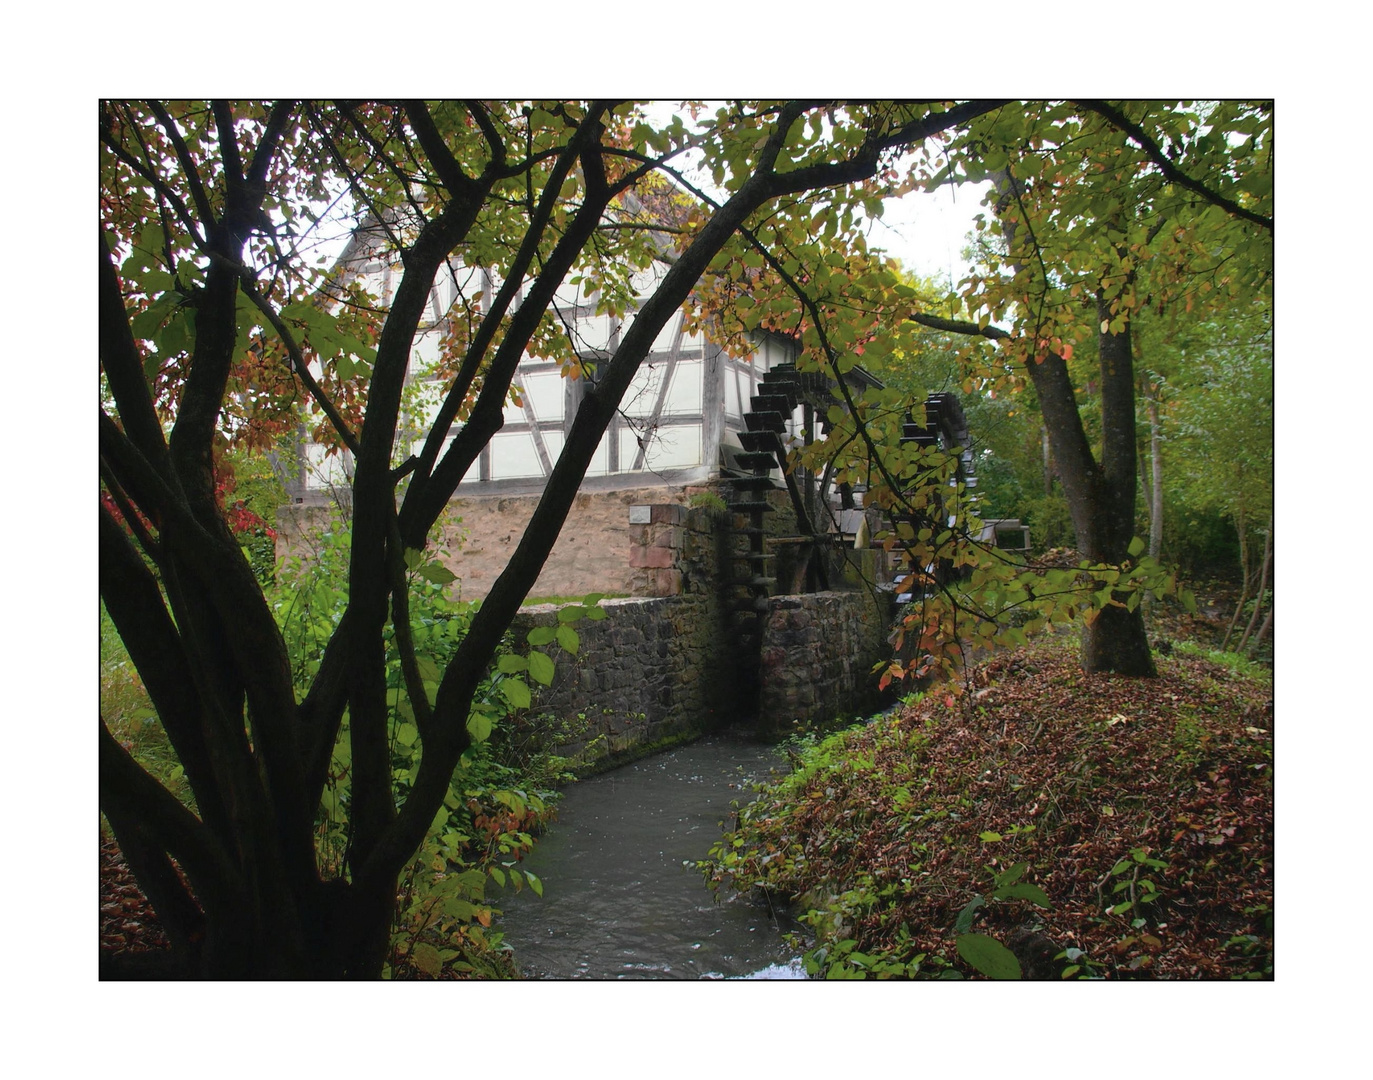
(1075, 774)
(127, 921)
(1142, 808)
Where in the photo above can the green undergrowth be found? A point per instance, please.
(1043, 823)
(503, 794)
(129, 714)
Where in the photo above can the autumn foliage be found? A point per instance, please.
(890, 832)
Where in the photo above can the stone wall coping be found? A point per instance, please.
(608, 602)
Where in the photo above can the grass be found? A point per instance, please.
(128, 712)
(1236, 662)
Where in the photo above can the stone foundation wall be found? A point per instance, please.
(641, 677)
(658, 668)
(654, 671)
(818, 653)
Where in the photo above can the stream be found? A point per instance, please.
(618, 901)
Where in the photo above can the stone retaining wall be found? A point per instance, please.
(818, 653)
(640, 679)
(658, 668)
(654, 671)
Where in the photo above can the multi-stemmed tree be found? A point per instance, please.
(216, 324)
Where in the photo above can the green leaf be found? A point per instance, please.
(1136, 546)
(479, 726)
(509, 663)
(513, 801)
(516, 692)
(1010, 875)
(988, 956)
(406, 734)
(147, 322)
(989, 837)
(541, 668)
(455, 907)
(534, 883)
(1025, 891)
(437, 573)
(965, 917)
(568, 639)
(572, 613)
(429, 671)
(427, 959)
(541, 635)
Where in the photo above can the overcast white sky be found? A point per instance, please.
(927, 232)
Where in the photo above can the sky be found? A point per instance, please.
(927, 231)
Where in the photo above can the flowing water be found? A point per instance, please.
(622, 896)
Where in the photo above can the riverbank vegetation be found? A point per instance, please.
(501, 795)
(1043, 823)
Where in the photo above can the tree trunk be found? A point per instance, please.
(1048, 462)
(1153, 484)
(1263, 585)
(1155, 487)
(1116, 642)
(1241, 527)
(1101, 498)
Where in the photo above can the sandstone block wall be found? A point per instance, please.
(478, 534)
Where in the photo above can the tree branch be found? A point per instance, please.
(405, 642)
(135, 605)
(862, 164)
(445, 164)
(425, 500)
(178, 912)
(1154, 152)
(958, 326)
(123, 366)
(199, 197)
(228, 143)
(277, 120)
(298, 364)
(482, 117)
(128, 791)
